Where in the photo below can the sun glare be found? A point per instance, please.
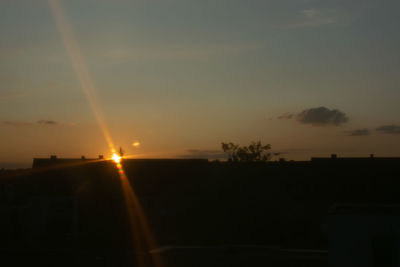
(116, 158)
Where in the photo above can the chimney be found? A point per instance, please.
(83, 157)
(53, 157)
(101, 157)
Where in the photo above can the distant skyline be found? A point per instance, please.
(175, 78)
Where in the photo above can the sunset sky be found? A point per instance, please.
(309, 77)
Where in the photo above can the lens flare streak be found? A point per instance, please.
(139, 225)
(78, 63)
(138, 221)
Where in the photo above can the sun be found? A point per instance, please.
(116, 158)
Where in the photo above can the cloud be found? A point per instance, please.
(389, 129)
(207, 154)
(359, 132)
(47, 122)
(320, 116)
(312, 17)
(287, 116)
(30, 124)
(310, 13)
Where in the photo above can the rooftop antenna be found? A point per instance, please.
(121, 152)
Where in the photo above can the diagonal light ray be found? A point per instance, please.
(139, 224)
(78, 63)
(138, 221)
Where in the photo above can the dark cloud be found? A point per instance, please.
(389, 129)
(320, 116)
(47, 122)
(203, 154)
(359, 132)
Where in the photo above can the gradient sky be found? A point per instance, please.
(181, 76)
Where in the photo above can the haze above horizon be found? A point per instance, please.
(175, 78)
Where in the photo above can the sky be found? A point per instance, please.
(309, 77)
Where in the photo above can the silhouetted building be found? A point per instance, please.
(55, 161)
(80, 208)
(334, 158)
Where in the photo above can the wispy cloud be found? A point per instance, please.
(17, 123)
(310, 13)
(389, 129)
(319, 116)
(47, 122)
(311, 17)
(359, 132)
(287, 116)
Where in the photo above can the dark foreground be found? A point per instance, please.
(200, 213)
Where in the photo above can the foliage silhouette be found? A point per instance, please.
(255, 152)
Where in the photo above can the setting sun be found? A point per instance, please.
(116, 158)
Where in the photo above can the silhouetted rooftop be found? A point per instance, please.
(335, 158)
(54, 161)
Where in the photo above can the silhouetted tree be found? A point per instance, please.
(255, 152)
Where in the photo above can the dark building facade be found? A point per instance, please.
(78, 206)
